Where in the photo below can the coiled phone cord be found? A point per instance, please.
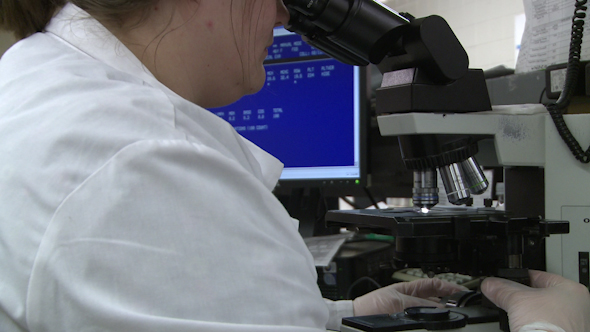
(573, 68)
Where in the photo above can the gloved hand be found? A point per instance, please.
(553, 299)
(397, 297)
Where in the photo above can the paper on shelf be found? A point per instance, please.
(324, 248)
(547, 34)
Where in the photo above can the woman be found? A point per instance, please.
(124, 206)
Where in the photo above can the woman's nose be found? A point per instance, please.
(282, 14)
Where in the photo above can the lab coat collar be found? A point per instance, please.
(82, 31)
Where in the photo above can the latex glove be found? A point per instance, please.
(397, 297)
(553, 299)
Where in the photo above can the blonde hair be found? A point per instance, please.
(25, 17)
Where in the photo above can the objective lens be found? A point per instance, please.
(474, 177)
(454, 182)
(425, 191)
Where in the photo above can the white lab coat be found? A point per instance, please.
(124, 207)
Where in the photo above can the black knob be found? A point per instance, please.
(428, 314)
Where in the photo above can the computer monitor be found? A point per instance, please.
(310, 114)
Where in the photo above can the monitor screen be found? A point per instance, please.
(310, 114)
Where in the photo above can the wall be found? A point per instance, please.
(484, 27)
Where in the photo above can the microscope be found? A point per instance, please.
(440, 111)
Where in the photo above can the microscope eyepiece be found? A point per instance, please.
(356, 32)
(310, 8)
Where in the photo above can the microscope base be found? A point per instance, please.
(487, 327)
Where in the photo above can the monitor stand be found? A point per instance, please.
(309, 206)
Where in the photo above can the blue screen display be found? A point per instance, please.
(307, 115)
